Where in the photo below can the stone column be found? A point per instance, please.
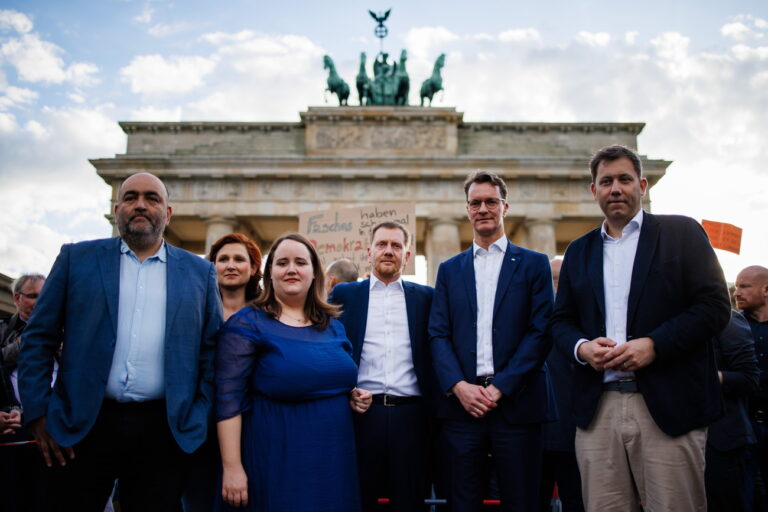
(442, 243)
(216, 227)
(541, 235)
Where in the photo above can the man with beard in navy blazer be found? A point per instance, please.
(639, 302)
(386, 321)
(489, 342)
(135, 320)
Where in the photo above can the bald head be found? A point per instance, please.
(127, 183)
(751, 292)
(555, 264)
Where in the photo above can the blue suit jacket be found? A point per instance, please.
(78, 307)
(677, 296)
(520, 346)
(353, 298)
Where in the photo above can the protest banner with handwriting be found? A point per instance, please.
(346, 233)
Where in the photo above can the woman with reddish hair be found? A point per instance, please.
(238, 267)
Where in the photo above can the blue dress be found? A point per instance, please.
(291, 384)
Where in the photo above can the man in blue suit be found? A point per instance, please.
(488, 338)
(386, 320)
(135, 321)
(639, 301)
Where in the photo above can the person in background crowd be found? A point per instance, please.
(23, 481)
(237, 260)
(25, 290)
(638, 303)
(752, 298)
(559, 464)
(728, 437)
(342, 270)
(137, 318)
(386, 320)
(489, 342)
(285, 384)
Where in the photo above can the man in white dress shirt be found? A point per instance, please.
(386, 321)
(639, 302)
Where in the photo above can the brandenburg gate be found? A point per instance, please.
(256, 177)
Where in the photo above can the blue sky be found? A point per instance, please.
(695, 72)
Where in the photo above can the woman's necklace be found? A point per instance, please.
(302, 321)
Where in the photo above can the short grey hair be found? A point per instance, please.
(20, 281)
(344, 270)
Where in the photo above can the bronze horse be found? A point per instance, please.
(336, 85)
(402, 81)
(364, 86)
(434, 83)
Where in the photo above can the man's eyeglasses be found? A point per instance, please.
(491, 203)
(29, 295)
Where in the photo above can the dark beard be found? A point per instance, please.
(136, 239)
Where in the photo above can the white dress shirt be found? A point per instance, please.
(618, 261)
(138, 364)
(487, 268)
(386, 361)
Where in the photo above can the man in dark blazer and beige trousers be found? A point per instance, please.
(639, 301)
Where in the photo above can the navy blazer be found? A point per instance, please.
(736, 359)
(78, 307)
(521, 311)
(677, 297)
(353, 299)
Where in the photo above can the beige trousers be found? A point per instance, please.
(624, 459)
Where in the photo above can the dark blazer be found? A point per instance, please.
(677, 297)
(735, 356)
(78, 307)
(353, 299)
(521, 311)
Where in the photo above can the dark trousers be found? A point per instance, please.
(516, 454)
(561, 468)
(23, 476)
(131, 443)
(392, 448)
(724, 479)
(757, 470)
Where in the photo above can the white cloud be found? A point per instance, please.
(422, 41)
(81, 74)
(156, 75)
(37, 130)
(520, 35)
(671, 46)
(743, 52)
(760, 23)
(8, 123)
(736, 30)
(166, 29)
(630, 37)
(594, 39)
(16, 96)
(150, 113)
(37, 60)
(145, 16)
(15, 20)
(76, 98)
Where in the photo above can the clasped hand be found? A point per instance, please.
(476, 400)
(360, 400)
(604, 354)
(10, 421)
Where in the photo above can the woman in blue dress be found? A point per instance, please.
(285, 392)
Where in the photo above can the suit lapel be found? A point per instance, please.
(595, 269)
(646, 248)
(109, 267)
(410, 309)
(468, 270)
(175, 289)
(362, 297)
(509, 265)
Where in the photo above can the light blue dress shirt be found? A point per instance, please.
(138, 364)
